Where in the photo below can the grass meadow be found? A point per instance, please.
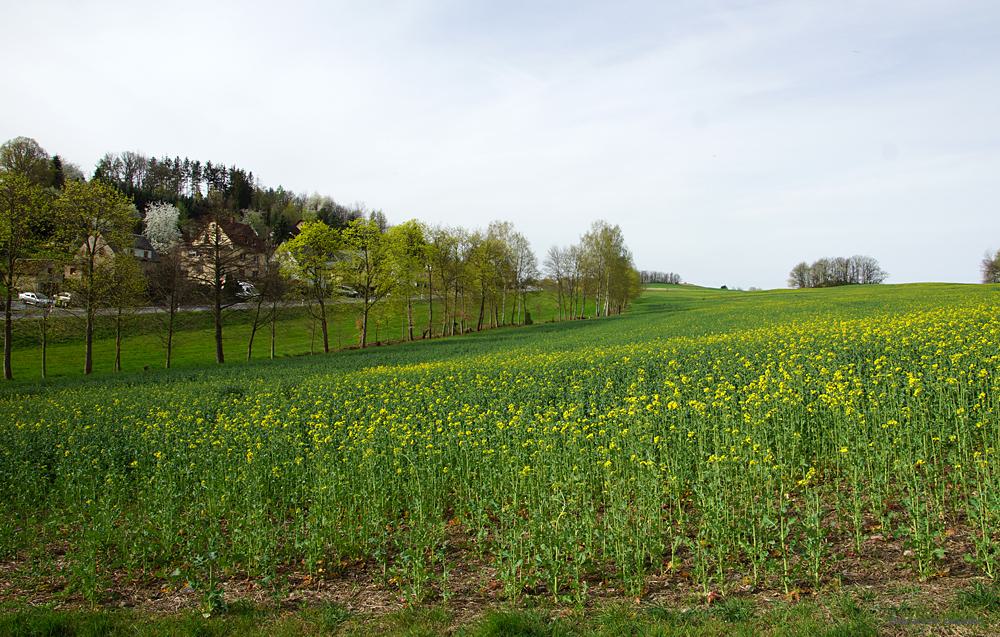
(297, 332)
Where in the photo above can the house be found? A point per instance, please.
(38, 275)
(141, 249)
(243, 252)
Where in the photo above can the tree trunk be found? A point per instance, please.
(454, 312)
(8, 331)
(409, 315)
(607, 293)
(444, 310)
(88, 343)
(253, 332)
(118, 341)
(88, 338)
(364, 316)
(172, 312)
(364, 325)
(45, 346)
(482, 308)
(312, 332)
(323, 325)
(465, 312)
(274, 318)
(254, 327)
(559, 300)
(220, 356)
(430, 304)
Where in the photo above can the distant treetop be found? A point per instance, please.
(830, 272)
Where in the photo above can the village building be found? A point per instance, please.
(244, 251)
(139, 246)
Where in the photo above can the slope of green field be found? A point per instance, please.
(785, 441)
(143, 346)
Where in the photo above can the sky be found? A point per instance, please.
(729, 140)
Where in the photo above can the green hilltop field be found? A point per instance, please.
(768, 462)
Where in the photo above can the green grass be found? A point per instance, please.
(827, 616)
(690, 310)
(143, 347)
(822, 618)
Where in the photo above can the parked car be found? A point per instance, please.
(34, 298)
(63, 299)
(245, 290)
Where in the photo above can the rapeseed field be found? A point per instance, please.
(732, 441)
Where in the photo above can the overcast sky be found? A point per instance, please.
(729, 140)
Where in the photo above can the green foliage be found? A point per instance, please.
(311, 254)
(94, 209)
(23, 156)
(24, 229)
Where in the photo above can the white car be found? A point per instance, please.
(63, 299)
(34, 298)
(246, 290)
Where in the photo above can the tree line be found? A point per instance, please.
(213, 246)
(831, 272)
(187, 183)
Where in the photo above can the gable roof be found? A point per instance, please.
(140, 242)
(240, 234)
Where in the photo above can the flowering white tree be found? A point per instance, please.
(161, 225)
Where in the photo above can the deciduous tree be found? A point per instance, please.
(311, 259)
(96, 220)
(126, 292)
(407, 244)
(162, 225)
(991, 268)
(24, 207)
(368, 267)
(24, 156)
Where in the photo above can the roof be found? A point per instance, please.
(242, 235)
(140, 242)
